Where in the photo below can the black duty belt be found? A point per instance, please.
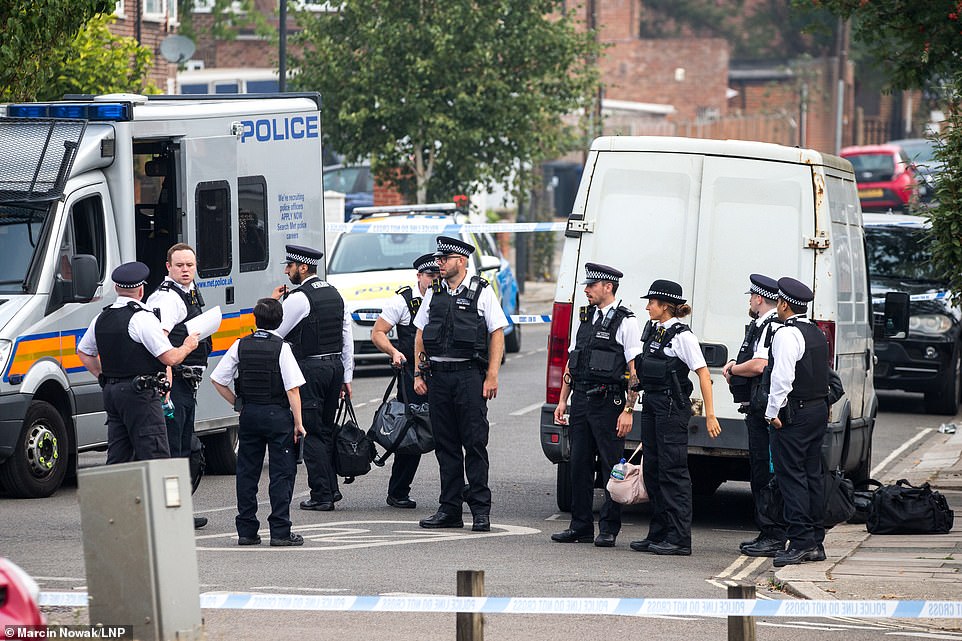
(799, 403)
(326, 357)
(452, 366)
(119, 379)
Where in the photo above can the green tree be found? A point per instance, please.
(446, 95)
(96, 61)
(34, 33)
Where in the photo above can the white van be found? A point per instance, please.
(91, 183)
(707, 214)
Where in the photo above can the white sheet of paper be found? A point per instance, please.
(205, 324)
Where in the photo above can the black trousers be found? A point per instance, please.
(759, 460)
(664, 435)
(180, 428)
(405, 465)
(592, 431)
(796, 449)
(136, 430)
(270, 428)
(459, 418)
(319, 398)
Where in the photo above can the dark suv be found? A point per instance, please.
(927, 358)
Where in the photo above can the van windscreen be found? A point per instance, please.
(899, 253)
(20, 233)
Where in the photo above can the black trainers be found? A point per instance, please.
(794, 556)
(764, 547)
(292, 541)
(199, 522)
(249, 540)
(570, 536)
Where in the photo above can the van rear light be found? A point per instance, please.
(828, 328)
(557, 350)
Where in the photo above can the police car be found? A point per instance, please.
(368, 266)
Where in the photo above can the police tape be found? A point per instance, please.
(517, 319)
(547, 605)
(917, 297)
(440, 228)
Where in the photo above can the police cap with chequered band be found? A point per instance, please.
(302, 255)
(763, 286)
(426, 263)
(794, 292)
(448, 245)
(130, 275)
(665, 290)
(596, 271)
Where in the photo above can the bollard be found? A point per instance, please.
(741, 628)
(470, 625)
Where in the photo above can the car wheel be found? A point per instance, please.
(944, 399)
(564, 487)
(220, 452)
(41, 457)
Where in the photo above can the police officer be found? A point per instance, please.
(266, 380)
(127, 350)
(744, 375)
(318, 326)
(798, 412)
(670, 351)
(399, 312)
(602, 350)
(459, 344)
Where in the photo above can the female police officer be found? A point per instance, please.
(670, 351)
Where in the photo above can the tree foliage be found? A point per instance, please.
(946, 218)
(34, 33)
(229, 16)
(446, 95)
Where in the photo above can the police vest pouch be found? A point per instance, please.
(353, 449)
(654, 371)
(601, 362)
(906, 509)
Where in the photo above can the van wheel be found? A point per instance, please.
(704, 481)
(40, 459)
(944, 399)
(220, 452)
(564, 487)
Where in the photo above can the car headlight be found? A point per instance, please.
(930, 324)
(5, 347)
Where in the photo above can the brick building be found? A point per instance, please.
(149, 22)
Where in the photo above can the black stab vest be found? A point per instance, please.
(195, 307)
(599, 357)
(406, 333)
(120, 355)
(741, 386)
(259, 377)
(320, 332)
(654, 368)
(455, 329)
(811, 370)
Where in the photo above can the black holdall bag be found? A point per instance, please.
(906, 509)
(839, 500)
(864, 491)
(399, 426)
(353, 449)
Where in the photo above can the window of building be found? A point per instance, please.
(153, 9)
(213, 228)
(119, 8)
(252, 222)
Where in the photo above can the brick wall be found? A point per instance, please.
(151, 33)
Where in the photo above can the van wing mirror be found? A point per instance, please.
(490, 263)
(895, 319)
(86, 277)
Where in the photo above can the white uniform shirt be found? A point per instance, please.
(488, 307)
(226, 370)
(171, 305)
(685, 346)
(396, 311)
(789, 347)
(143, 328)
(760, 350)
(628, 334)
(297, 307)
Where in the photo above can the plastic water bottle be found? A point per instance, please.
(168, 406)
(618, 471)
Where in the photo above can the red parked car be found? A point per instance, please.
(18, 599)
(887, 179)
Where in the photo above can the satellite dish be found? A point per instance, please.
(177, 48)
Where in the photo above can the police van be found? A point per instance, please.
(706, 214)
(92, 182)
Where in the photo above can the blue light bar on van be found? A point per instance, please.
(97, 111)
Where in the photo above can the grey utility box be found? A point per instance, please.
(138, 538)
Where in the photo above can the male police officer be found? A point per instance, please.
(399, 312)
(318, 327)
(602, 350)
(126, 349)
(798, 412)
(267, 381)
(459, 344)
(744, 375)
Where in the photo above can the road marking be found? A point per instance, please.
(751, 567)
(906, 445)
(555, 517)
(925, 635)
(731, 568)
(525, 410)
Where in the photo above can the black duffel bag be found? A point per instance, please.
(353, 449)
(864, 491)
(400, 426)
(906, 509)
(839, 502)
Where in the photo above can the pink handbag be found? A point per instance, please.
(631, 489)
